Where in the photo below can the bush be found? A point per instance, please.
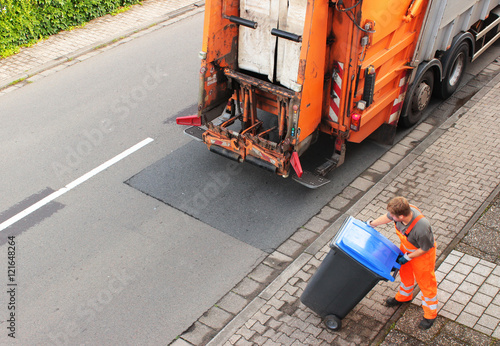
(24, 22)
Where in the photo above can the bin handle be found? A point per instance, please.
(396, 271)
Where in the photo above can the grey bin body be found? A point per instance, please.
(359, 258)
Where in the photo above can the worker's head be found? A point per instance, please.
(397, 207)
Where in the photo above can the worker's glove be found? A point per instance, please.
(369, 222)
(403, 259)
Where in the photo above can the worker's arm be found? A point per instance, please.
(382, 220)
(416, 253)
(403, 259)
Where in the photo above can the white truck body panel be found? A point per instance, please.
(292, 19)
(257, 47)
(444, 20)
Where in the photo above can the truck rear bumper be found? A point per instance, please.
(247, 147)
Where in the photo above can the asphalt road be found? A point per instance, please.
(130, 254)
(104, 263)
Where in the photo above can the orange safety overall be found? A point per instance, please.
(420, 269)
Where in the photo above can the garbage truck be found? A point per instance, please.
(275, 74)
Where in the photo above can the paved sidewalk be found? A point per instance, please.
(452, 175)
(68, 45)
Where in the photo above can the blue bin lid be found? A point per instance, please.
(368, 247)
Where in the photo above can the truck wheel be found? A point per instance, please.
(419, 99)
(332, 322)
(455, 71)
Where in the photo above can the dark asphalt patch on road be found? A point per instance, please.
(246, 202)
(30, 220)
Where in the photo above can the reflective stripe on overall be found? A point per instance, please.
(420, 269)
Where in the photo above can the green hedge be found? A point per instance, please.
(24, 22)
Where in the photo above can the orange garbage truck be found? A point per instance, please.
(277, 73)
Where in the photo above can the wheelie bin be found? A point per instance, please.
(358, 259)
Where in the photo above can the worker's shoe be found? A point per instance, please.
(390, 302)
(426, 323)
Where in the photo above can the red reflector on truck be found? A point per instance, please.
(191, 120)
(355, 121)
(296, 164)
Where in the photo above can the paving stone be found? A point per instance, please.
(243, 342)
(462, 268)
(461, 297)
(290, 248)
(329, 214)
(482, 270)
(483, 329)
(453, 258)
(304, 236)
(488, 321)
(448, 314)
(198, 334)
(474, 309)
(493, 310)
(233, 302)
(327, 336)
(272, 334)
(259, 340)
(468, 287)
(448, 286)
(475, 278)
(350, 193)
(339, 202)
(489, 265)
(246, 333)
(382, 166)
(493, 280)
(317, 225)
(443, 297)
(180, 342)
(482, 299)
(400, 149)
(216, 318)
(488, 289)
(455, 277)
(454, 307)
(445, 267)
(440, 276)
(247, 288)
(362, 184)
(259, 328)
(262, 273)
(467, 319)
(285, 340)
(277, 260)
(496, 335)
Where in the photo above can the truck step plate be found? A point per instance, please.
(196, 132)
(311, 180)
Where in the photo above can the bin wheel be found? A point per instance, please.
(333, 322)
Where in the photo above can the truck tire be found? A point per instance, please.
(419, 99)
(455, 70)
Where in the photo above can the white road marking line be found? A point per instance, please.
(73, 184)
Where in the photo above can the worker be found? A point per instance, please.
(418, 259)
